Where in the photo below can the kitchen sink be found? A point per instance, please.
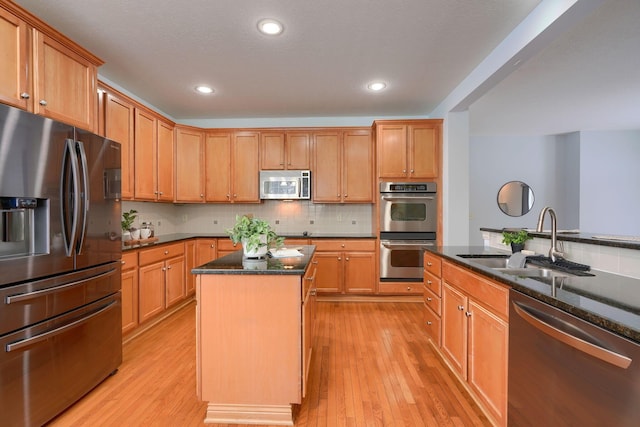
(499, 263)
(491, 262)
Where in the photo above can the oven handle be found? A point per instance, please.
(389, 243)
(37, 338)
(391, 198)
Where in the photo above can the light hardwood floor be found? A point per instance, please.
(372, 367)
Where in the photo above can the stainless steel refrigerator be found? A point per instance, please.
(60, 250)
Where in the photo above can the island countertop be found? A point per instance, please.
(235, 263)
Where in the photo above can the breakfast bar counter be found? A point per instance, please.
(254, 334)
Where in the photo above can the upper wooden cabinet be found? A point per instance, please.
(44, 72)
(285, 150)
(408, 149)
(190, 169)
(232, 166)
(165, 158)
(154, 171)
(15, 76)
(343, 166)
(118, 117)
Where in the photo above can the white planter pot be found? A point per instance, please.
(256, 253)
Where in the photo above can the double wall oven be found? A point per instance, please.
(408, 223)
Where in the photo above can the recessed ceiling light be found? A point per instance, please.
(376, 86)
(204, 89)
(270, 27)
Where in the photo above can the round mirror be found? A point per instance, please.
(515, 198)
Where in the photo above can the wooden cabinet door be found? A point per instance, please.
(327, 167)
(119, 125)
(129, 300)
(357, 164)
(14, 68)
(245, 167)
(392, 150)
(190, 260)
(165, 169)
(206, 251)
(454, 328)
(175, 280)
(359, 272)
(298, 150)
(272, 151)
(488, 360)
(65, 84)
(423, 150)
(145, 155)
(218, 166)
(151, 296)
(308, 324)
(189, 165)
(329, 274)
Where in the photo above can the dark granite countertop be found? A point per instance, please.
(579, 237)
(176, 237)
(608, 300)
(235, 263)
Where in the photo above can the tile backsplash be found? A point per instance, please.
(623, 261)
(287, 218)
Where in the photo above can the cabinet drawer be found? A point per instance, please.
(161, 253)
(365, 245)
(483, 291)
(433, 283)
(433, 264)
(432, 325)
(129, 260)
(228, 245)
(433, 301)
(295, 242)
(412, 288)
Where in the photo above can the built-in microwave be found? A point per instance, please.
(285, 185)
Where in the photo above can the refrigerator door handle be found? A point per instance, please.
(69, 194)
(84, 192)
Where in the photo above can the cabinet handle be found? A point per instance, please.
(429, 282)
(468, 314)
(429, 299)
(313, 292)
(43, 102)
(315, 262)
(429, 264)
(24, 95)
(460, 307)
(429, 323)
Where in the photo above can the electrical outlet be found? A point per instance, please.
(311, 222)
(215, 222)
(353, 222)
(277, 221)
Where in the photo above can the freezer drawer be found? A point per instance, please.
(31, 302)
(47, 367)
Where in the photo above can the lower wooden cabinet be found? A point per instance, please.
(309, 296)
(346, 266)
(129, 291)
(475, 334)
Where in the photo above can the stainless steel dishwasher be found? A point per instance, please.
(565, 371)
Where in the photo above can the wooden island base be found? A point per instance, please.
(249, 414)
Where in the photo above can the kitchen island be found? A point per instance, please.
(254, 326)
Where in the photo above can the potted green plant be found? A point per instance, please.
(127, 223)
(515, 238)
(256, 235)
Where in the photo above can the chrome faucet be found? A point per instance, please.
(554, 253)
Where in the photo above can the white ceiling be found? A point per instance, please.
(160, 50)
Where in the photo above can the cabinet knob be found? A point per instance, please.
(166, 252)
(25, 95)
(408, 288)
(347, 259)
(229, 196)
(169, 268)
(404, 171)
(468, 314)
(342, 245)
(429, 282)
(428, 323)
(315, 262)
(43, 102)
(429, 263)
(338, 195)
(164, 269)
(339, 258)
(313, 292)
(201, 196)
(429, 299)
(161, 193)
(412, 171)
(122, 262)
(235, 196)
(346, 195)
(213, 246)
(460, 307)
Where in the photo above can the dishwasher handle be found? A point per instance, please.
(597, 351)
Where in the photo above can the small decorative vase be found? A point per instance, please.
(256, 253)
(126, 235)
(517, 247)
